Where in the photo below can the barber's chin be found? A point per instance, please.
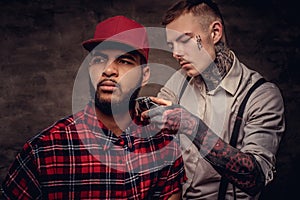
(190, 70)
(192, 73)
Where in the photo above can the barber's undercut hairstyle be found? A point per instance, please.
(207, 9)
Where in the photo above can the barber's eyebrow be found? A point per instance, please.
(185, 34)
(181, 36)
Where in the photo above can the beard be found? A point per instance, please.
(126, 104)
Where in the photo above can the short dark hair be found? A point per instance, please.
(194, 6)
(207, 8)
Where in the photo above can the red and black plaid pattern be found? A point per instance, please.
(78, 158)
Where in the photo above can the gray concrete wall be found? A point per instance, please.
(41, 53)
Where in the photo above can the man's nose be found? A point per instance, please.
(111, 69)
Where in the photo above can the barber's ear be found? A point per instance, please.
(146, 75)
(216, 31)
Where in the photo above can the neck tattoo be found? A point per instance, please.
(215, 72)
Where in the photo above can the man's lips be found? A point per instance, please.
(108, 85)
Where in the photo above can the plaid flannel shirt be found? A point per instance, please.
(78, 158)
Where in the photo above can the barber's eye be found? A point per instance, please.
(97, 60)
(185, 39)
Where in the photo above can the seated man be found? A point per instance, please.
(103, 151)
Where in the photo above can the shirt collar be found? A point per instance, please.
(104, 136)
(229, 83)
(232, 80)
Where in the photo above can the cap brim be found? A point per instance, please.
(93, 43)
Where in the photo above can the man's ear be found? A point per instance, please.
(146, 75)
(216, 31)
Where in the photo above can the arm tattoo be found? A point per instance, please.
(241, 169)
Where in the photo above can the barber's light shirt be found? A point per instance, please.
(78, 158)
(260, 133)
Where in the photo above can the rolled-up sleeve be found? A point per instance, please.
(264, 127)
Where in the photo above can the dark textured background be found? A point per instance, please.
(41, 53)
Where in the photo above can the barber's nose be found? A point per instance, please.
(177, 56)
(177, 52)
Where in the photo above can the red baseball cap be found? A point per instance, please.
(121, 30)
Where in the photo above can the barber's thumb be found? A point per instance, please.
(150, 113)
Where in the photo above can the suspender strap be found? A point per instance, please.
(235, 133)
(185, 83)
(239, 117)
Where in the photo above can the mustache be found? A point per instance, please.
(110, 80)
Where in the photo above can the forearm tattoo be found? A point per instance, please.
(241, 169)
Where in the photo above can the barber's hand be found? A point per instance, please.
(161, 102)
(174, 119)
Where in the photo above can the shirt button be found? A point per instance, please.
(195, 160)
(120, 161)
(122, 142)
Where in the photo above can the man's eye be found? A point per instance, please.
(97, 60)
(125, 62)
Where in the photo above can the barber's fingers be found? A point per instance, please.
(160, 101)
(153, 112)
